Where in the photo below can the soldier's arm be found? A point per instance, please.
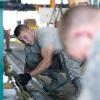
(45, 63)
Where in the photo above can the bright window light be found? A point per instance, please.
(36, 1)
(43, 1)
(64, 1)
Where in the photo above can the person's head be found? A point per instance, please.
(77, 27)
(24, 34)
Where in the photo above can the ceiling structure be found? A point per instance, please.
(26, 5)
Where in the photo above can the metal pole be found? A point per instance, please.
(98, 3)
(1, 49)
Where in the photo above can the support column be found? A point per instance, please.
(52, 3)
(1, 49)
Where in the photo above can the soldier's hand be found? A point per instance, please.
(24, 78)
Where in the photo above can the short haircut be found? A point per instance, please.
(19, 29)
(76, 16)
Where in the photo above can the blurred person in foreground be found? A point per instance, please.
(77, 29)
(91, 77)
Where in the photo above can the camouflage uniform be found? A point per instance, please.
(70, 66)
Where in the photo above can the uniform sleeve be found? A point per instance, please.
(46, 39)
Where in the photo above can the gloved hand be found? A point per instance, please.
(24, 78)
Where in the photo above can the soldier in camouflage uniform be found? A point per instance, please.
(43, 49)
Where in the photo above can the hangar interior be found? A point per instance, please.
(35, 14)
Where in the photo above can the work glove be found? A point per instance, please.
(24, 78)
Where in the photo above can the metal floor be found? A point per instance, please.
(17, 59)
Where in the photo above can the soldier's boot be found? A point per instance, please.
(58, 80)
(77, 84)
